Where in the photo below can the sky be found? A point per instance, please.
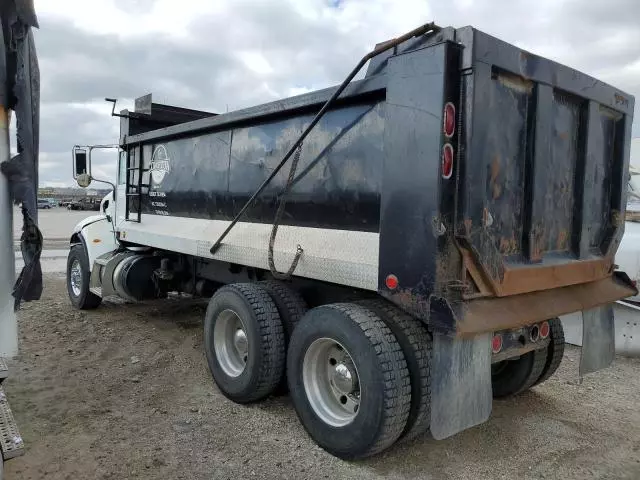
(224, 55)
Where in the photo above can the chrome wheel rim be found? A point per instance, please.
(75, 277)
(331, 382)
(230, 343)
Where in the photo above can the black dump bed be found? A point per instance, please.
(524, 226)
(546, 151)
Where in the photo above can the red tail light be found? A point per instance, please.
(449, 120)
(544, 329)
(496, 343)
(447, 161)
(391, 282)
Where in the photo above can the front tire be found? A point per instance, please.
(78, 277)
(244, 342)
(348, 380)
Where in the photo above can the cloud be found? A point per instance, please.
(230, 54)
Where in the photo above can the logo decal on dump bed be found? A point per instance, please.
(159, 164)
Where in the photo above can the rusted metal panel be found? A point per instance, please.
(553, 172)
(533, 278)
(523, 279)
(493, 314)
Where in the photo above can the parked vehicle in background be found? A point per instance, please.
(51, 201)
(43, 203)
(85, 204)
(447, 209)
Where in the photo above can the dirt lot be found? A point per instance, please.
(124, 392)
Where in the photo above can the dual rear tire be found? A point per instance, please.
(246, 334)
(514, 376)
(349, 380)
(244, 342)
(358, 373)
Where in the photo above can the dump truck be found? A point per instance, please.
(393, 252)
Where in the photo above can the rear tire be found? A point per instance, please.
(291, 308)
(555, 350)
(416, 343)
(244, 342)
(78, 278)
(513, 377)
(290, 304)
(348, 380)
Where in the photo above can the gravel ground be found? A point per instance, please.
(124, 392)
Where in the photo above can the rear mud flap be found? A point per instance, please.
(461, 395)
(598, 339)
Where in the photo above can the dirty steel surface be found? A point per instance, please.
(124, 392)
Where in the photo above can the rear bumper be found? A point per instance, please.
(498, 313)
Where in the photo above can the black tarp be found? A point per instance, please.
(20, 92)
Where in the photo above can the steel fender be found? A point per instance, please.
(96, 218)
(98, 238)
(88, 221)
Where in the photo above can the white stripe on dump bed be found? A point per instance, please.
(338, 256)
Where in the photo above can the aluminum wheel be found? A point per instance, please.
(230, 343)
(75, 276)
(331, 382)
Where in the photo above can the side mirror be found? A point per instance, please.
(81, 162)
(83, 180)
(82, 166)
(81, 156)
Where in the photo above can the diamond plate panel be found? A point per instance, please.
(337, 256)
(11, 443)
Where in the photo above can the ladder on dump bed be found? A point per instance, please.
(11, 444)
(134, 186)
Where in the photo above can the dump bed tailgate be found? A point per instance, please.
(542, 184)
